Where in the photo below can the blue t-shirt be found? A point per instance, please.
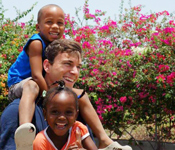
(20, 69)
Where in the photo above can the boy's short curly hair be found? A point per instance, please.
(60, 46)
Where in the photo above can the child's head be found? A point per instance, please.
(60, 109)
(50, 23)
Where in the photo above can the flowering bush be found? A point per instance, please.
(128, 68)
(13, 36)
(128, 86)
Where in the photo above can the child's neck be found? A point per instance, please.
(59, 141)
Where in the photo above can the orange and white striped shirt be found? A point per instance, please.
(43, 142)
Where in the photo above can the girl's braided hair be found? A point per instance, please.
(56, 90)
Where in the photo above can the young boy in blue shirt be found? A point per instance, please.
(25, 76)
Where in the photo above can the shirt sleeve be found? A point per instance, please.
(83, 129)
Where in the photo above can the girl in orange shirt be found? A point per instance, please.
(60, 111)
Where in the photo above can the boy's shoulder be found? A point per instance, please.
(35, 37)
(35, 40)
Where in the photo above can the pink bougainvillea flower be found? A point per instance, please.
(163, 68)
(171, 78)
(114, 73)
(160, 78)
(26, 36)
(152, 98)
(119, 108)
(143, 95)
(22, 25)
(86, 45)
(123, 99)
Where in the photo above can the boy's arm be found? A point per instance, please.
(34, 52)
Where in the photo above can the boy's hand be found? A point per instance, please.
(77, 145)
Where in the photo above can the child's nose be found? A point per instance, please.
(61, 117)
(55, 25)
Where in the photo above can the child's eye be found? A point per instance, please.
(69, 113)
(54, 112)
(60, 23)
(49, 22)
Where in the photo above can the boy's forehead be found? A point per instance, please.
(48, 8)
(45, 8)
(52, 8)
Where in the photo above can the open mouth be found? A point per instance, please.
(61, 126)
(54, 35)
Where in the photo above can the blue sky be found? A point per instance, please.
(110, 6)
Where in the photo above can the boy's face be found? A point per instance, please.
(51, 24)
(66, 67)
(61, 113)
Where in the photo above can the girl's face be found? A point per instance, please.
(61, 113)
